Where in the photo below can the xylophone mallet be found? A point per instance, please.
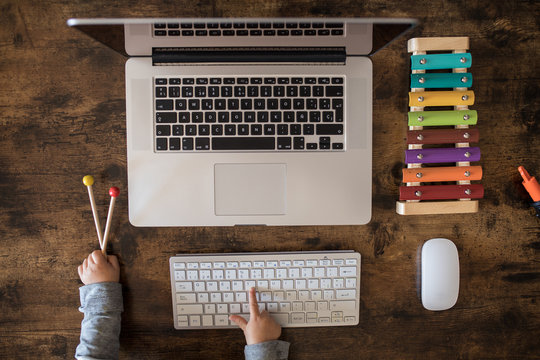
(88, 180)
(114, 192)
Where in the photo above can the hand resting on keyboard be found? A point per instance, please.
(260, 327)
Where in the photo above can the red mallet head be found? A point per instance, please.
(114, 191)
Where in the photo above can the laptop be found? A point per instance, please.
(248, 121)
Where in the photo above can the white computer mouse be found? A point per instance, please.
(439, 274)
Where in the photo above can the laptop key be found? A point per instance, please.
(329, 129)
(309, 129)
(256, 129)
(298, 143)
(284, 143)
(202, 143)
(178, 130)
(174, 143)
(333, 91)
(204, 129)
(165, 117)
(163, 130)
(164, 105)
(243, 129)
(197, 117)
(183, 117)
(217, 130)
(161, 91)
(230, 129)
(269, 129)
(243, 143)
(161, 144)
(191, 130)
(187, 143)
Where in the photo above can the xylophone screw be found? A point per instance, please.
(467, 173)
(419, 156)
(467, 154)
(466, 135)
(419, 175)
(420, 98)
(420, 137)
(466, 117)
(465, 97)
(418, 193)
(421, 80)
(463, 59)
(464, 79)
(420, 118)
(468, 191)
(423, 61)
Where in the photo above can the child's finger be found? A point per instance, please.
(98, 257)
(238, 320)
(85, 264)
(90, 260)
(253, 306)
(80, 270)
(113, 260)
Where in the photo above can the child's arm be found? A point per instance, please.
(101, 303)
(261, 333)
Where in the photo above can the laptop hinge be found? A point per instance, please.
(171, 56)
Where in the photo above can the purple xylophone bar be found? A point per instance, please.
(442, 155)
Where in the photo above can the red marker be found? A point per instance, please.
(114, 192)
(532, 187)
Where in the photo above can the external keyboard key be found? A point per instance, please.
(183, 286)
(235, 143)
(189, 309)
(298, 318)
(345, 305)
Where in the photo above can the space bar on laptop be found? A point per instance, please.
(243, 143)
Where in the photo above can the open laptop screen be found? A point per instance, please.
(358, 36)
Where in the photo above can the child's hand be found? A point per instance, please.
(261, 327)
(99, 268)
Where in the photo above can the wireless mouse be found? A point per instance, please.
(439, 274)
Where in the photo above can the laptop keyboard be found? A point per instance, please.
(254, 29)
(285, 113)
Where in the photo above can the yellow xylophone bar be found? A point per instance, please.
(441, 98)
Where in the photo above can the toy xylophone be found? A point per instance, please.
(439, 116)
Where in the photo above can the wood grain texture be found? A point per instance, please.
(63, 116)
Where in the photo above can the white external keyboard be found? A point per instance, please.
(298, 289)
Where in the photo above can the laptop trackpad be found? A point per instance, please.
(250, 189)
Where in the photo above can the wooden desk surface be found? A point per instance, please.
(63, 116)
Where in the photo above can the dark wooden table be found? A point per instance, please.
(63, 116)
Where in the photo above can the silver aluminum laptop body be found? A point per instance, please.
(224, 188)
